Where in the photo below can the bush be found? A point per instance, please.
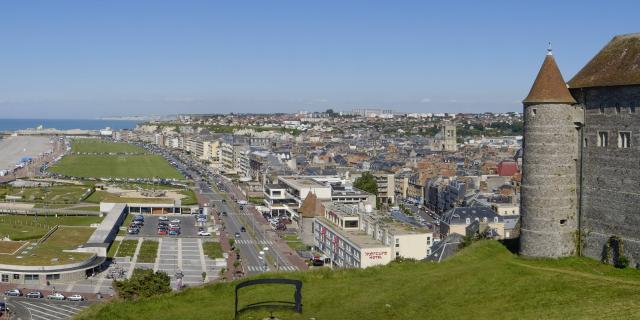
(622, 262)
(143, 283)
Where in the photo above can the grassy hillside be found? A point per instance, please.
(484, 281)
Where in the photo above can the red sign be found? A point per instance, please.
(375, 255)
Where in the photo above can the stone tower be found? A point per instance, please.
(551, 163)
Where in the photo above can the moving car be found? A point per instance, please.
(243, 229)
(237, 234)
(34, 294)
(204, 233)
(13, 293)
(75, 297)
(56, 296)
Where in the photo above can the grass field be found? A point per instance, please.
(212, 249)
(104, 196)
(127, 248)
(113, 249)
(32, 227)
(8, 247)
(51, 252)
(115, 166)
(484, 281)
(148, 251)
(52, 196)
(102, 146)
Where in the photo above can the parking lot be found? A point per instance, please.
(188, 227)
(40, 309)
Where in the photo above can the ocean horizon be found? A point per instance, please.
(66, 124)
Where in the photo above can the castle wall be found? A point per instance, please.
(611, 175)
(549, 194)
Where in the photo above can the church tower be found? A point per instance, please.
(550, 166)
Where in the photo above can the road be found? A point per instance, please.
(253, 262)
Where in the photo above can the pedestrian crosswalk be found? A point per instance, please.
(265, 269)
(261, 242)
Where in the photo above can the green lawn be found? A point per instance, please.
(103, 146)
(294, 242)
(127, 248)
(34, 227)
(484, 281)
(212, 249)
(51, 252)
(115, 166)
(148, 251)
(113, 249)
(190, 198)
(104, 196)
(54, 196)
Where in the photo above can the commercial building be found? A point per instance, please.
(355, 236)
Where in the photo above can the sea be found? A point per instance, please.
(66, 124)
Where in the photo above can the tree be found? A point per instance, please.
(367, 182)
(143, 283)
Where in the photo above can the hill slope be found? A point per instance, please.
(484, 281)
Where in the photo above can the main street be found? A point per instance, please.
(252, 243)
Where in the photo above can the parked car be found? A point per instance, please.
(204, 233)
(133, 231)
(174, 232)
(175, 221)
(174, 225)
(75, 297)
(3, 306)
(138, 218)
(56, 296)
(224, 213)
(34, 294)
(162, 232)
(13, 293)
(163, 218)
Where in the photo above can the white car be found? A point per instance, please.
(174, 225)
(204, 233)
(163, 218)
(75, 297)
(56, 296)
(175, 221)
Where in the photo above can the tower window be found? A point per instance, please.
(534, 111)
(617, 108)
(563, 221)
(624, 139)
(601, 109)
(603, 138)
(632, 109)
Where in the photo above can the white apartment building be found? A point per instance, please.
(354, 238)
(286, 196)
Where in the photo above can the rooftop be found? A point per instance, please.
(618, 63)
(549, 86)
(302, 182)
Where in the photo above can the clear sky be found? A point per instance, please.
(82, 59)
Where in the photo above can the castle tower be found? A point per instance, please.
(551, 159)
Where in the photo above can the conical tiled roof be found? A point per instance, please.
(549, 86)
(311, 206)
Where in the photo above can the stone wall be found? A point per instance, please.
(611, 175)
(549, 199)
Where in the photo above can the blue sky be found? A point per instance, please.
(82, 59)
